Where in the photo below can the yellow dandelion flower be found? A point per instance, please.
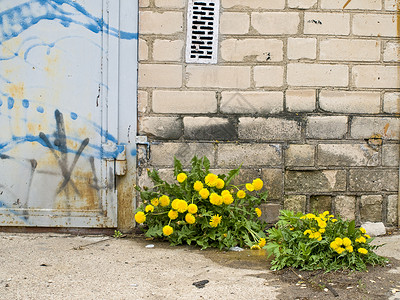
(172, 214)
(349, 249)
(363, 231)
(164, 200)
(346, 242)
(192, 208)
(225, 192)
(258, 184)
(255, 247)
(333, 220)
(362, 250)
(216, 199)
(308, 231)
(319, 238)
(189, 218)
(211, 179)
(361, 240)
(204, 193)
(154, 202)
(167, 230)
(174, 204)
(258, 212)
(249, 187)
(215, 220)
(367, 236)
(182, 206)
(321, 230)
(149, 208)
(198, 185)
(340, 250)
(321, 224)
(310, 216)
(339, 241)
(291, 228)
(262, 242)
(241, 194)
(140, 217)
(181, 177)
(227, 198)
(333, 245)
(317, 235)
(220, 184)
(325, 213)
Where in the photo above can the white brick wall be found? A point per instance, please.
(302, 88)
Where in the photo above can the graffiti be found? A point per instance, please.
(53, 92)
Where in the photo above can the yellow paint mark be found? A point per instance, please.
(347, 3)
(16, 90)
(385, 129)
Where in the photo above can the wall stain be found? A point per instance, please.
(16, 90)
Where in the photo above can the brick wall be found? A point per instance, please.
(305, 94)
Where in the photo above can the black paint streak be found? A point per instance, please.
(315, 22)
(3, 156)
(61, 143)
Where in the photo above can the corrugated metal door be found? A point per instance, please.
(59, 97)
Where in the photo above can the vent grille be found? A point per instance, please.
(202, 32)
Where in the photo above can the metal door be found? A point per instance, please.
(59, 117)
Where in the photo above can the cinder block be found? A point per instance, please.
(350, 102)
(379, 25)
(302, 3)
(143, 50)
(371, 208)
(347, 155)
(273, 182)
(296, 203)
(167, 50)
(391, 5)
(161, 127)
(299, 48)
(376, 76)
(392, 215)
(234, 23)
(184, 102)
(327, 23)
(258, 102)
(269, 129)
(311, 181)
(279, 23)
(162, 154)
(270, 212)
(169, 22)
(255, 4)
(300, 155)
(302, 74)
(206, 128)
(218, 76)
(300, 100)
(170, 3)
(345, 206)
(353, 5)
(232, 155)
(271, 76)
(350, 50)
(144, 3)
(252, 50)
(390, 155)
(391, 53)
(326, 127)
(391, 103)
(160, 75)
(374, 180)
(367, 127)
(320, 203)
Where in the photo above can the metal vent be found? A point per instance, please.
(202, 31)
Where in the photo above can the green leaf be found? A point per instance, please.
(177, 166)
(232, 174)
(352, 228)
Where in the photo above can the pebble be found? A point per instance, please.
(150, 246)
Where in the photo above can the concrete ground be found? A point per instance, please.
(59, 266)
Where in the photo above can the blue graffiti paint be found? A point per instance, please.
(25, 103)
(40, 109)
(74, 116)
(10, 103)
(133, 152)
(1, 102)
(67, 12)
(14, 212)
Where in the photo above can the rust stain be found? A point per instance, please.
(52, 64)
(16, 90)
(385, 129)
(347, 3)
